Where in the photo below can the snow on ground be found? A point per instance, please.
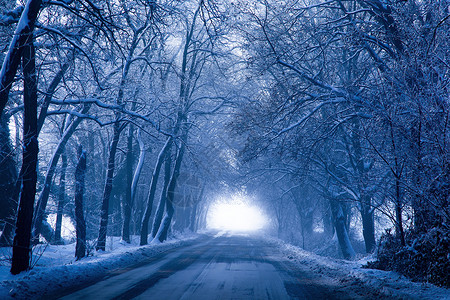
(56, 267)
(352, 277)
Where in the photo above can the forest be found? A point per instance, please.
(131, 118)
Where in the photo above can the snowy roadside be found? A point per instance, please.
(351, 277)
(57, 269)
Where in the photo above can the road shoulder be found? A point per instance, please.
(55, 281)
(351, 278)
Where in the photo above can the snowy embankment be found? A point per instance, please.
(57, 269)
(355, 280)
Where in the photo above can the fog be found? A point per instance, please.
(235, 214)
(318, 128)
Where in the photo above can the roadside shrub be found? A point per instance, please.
(426, 256)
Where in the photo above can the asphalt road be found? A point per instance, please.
(220, 267)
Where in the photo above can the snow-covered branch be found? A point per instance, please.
(310, 114)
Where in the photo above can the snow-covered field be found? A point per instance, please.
(57, 268)
(351, 277)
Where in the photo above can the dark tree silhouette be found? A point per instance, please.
(80, 172)
(28, 174)
(61, 200)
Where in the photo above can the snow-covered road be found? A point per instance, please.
(208, 266)
(223, 267)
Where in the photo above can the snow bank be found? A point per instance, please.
(57, 269)
(351, 276)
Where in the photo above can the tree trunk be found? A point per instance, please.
(21, 37)
(193, 217)
(306, 218)
(162, 200)
(396, 172)
(45, 193)
(21, 243)
(137, 173)
(341, 230)
(47, 231)
(128, 203)
(80, 171)
(398, 212)
(50, 92)
(327, 219)
(423, 214)
(8, 184)
(366, 210)
(152, 191)
(166, 222)
(368, 224)
(61, 199)
(101, 242)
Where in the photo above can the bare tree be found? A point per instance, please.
(80, 171)
(28, 173)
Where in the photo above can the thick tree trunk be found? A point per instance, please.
(21, 243)
(47, 231)
(21, 37)
(61, 199)
(162, 200)
(368, 223)
(80, 172)
(8, 185)
(152, 191)
(101, 242)
(341, 230)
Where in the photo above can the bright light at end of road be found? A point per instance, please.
(235, 217)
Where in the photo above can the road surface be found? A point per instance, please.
(219, 267)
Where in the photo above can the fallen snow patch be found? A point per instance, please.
(57, 268)
(351, 276)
